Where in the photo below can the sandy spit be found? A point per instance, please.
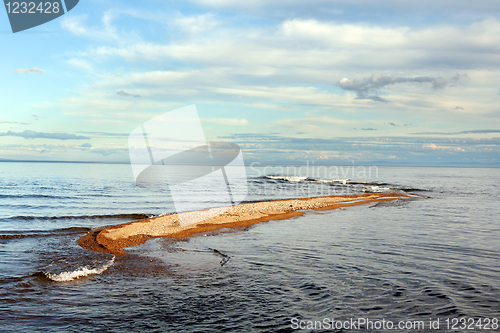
(113, 239)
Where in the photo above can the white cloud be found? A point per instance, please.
(315, 126)
(295, 95)
(432, 146)
(294, 65)
(298, 46)
(343, 34)
(227, 121)
(196, 24)
(75, 24)
(29, 70)
(81, 63)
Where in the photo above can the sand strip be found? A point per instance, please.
(113, 239)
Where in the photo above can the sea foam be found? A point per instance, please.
(80, 272)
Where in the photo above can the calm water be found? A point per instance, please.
(435, 256)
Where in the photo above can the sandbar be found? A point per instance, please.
(113, 239)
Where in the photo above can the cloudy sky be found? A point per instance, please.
(325, 81)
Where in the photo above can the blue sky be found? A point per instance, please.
(324, 81)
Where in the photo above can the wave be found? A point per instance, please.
(368, 183)
(413, 189)
(366, 186)
(31, 196)
(81, 217)
(288, 178)
(297, 179)
(79, 272)
(45, 233)
(378, 189)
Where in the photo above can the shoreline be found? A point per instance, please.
(113, 239)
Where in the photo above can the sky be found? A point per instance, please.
(320, 81)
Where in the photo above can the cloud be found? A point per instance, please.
(227, 121)
(410, 150)
(368, 88)
(75, 24)
(290, 62)
(12, 122)
(107, 152)
(316, 125)
(369, 129)
(457, 133)
(62, 152)
(351, 141)
(460, 77)
(81, 63)
(293, 62)
(375, 98)
(126, 94)
(42, 135)
(300, 46)
(85, 145)
(432, 146)
(196, 24)
(105, 134)
(29, 70)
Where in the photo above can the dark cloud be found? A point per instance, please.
(459, 108)
(85, 146)
(369, 129)
(126, 94)
(394, 124)
(459, 77)
(375, 98)
(42, 135)
(462, 132)
(368, 88)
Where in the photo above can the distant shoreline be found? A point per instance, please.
(113, 239)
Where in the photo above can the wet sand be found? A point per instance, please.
(113, 239)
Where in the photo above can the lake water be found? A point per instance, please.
(432, 257)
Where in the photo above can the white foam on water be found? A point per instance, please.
(376, 189)
(343, 181)
(288, 178)
(80, 272)
(296, 179)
